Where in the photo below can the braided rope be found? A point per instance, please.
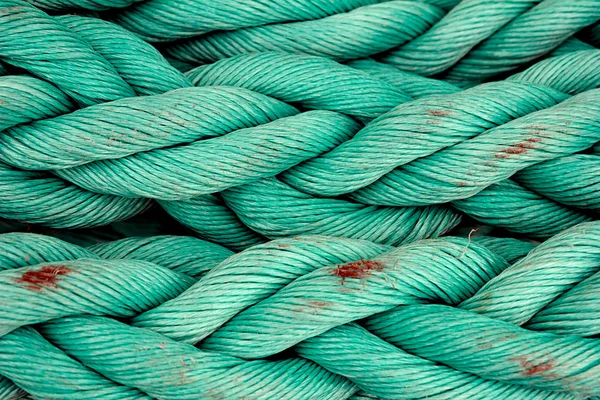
(275, 139)
(481, 26)
(82, 377)
(182, 254)
(143, 174)
(369, 286)
(136, 248)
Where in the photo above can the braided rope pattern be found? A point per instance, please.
(95, 79)
(480, 39)
(138, 176)
(358, 33)
(374, 284)
(369, 125)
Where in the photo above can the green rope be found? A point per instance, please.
(482, 38)
(300, 79)
(186, 255)
(356, 133)
(302, 279)
(359, 33)
(115, 177)
(77, 70)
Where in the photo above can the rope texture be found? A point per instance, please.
(333, 144)
(231, 138)
(496, 334)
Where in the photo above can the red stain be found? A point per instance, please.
(439, 113)
(516, 150)
(357, 269)
(519, 148)
(46, 276)
(8, 12)
(319, 304)
(530, 369)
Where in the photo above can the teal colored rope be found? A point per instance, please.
(461, 255)
(508, 248)
(76, 69)
(571, 73)
(359, 33)
(555, 266)
(211, 219)
(172, 370)
(9, 390)
(310, 82)
(526, 38)
(580, 182)
(493, 349)
(563, 315)
(24, 99)
(36, 294)
(160, 20)
(83, 4)
(240, 282)
(344, 246)
(414, 130)
(73, 343)
(389, 372)
(570, 45)
(36, 365)
(414, 85)
(562, 217)
(188, 115)
(507, 204)
(230, 217)
(186, 255)
(491, 157)
(22, 249)
(128, 186)
(277, 210)
(17, 356)
(490, 36)
(209, 166)
(41, 198)
(140, 65)
(466, 25)
(430, 271)
(45, 199)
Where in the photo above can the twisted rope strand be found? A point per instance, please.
(359, 33)
(77, 70)
(479, 39)
(470, 266)
(160, 20)
(183, 254)
(136, 176)
(37, 366)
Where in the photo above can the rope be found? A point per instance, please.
(482, 38)
(302, 281)
(332, 145)
(115, 177)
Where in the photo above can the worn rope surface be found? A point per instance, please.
(111, 183)
(320, 150)
(314, 290)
